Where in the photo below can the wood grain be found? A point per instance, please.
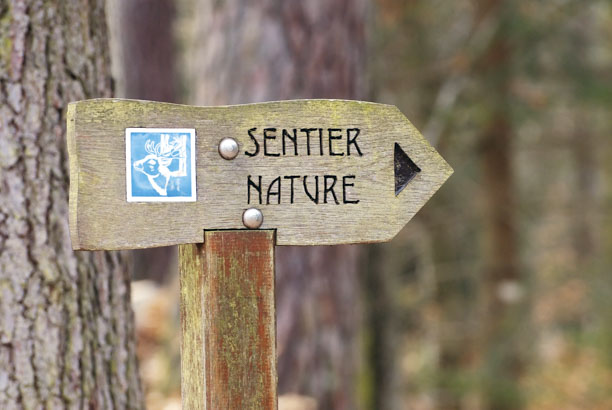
(191, 269)
(228, 348)
(101, 218)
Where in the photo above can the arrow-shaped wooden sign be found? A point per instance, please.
(319, 172)
(313, 172)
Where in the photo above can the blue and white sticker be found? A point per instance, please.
(160, 164)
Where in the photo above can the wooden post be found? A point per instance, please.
(228, 345)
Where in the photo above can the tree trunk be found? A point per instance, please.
(273, 50)
(503, 285)
(66, 326)
(144, 60)
(146, 49)
(584, 148)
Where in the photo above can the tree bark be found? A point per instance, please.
(66, 325)
(272, 50)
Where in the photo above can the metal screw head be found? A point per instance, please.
(228, 148)
(252, 218)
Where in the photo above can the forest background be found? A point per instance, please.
(498, 294)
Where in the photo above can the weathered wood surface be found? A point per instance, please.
(102, 219)
(191, 269)
(228, 347)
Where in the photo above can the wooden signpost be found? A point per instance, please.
(227, 184)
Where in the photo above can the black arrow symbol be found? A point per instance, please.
(405, 169)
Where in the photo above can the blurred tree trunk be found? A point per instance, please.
(273, 50)
(503, 285)
(144, 43)
(66, 325)
(145, 36)
(455, 296)
(583, 148)
(381, 336)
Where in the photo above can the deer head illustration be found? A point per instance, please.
(160, 156)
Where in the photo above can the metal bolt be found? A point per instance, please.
(228, 148)
(252, 218)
